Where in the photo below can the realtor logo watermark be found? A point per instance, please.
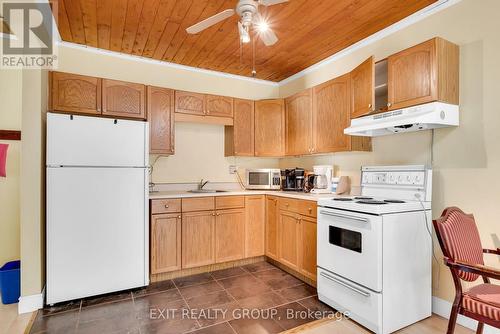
(30, 43)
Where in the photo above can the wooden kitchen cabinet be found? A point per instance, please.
(270, 128)
(289, 239)
(221, 106)
(189, 103)
(165, 243)
(331, 115)
(307, 246)
(363, 88)
(161, 120)
(255, 225)
(229, 235)
(75, 93)
(272, 218)
(424, 73)
(123, 99)
(239, 138)
(198, 239)
(299, 125)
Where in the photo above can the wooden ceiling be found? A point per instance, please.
(309, 31)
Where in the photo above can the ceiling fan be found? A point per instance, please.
(248, 10)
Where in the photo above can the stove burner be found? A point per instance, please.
(393, 201)
(363, 198)
(371, 201)
(343, 199)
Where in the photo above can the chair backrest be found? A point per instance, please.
(459, 239)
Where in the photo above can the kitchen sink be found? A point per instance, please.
(206, 191)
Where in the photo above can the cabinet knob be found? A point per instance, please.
(213, 213)
(389, 104)
(287, 204)
(310, 209)
(369, 105)
(179, 216)
(218, 214)
(166, 206)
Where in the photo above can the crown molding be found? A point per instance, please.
(165, 63)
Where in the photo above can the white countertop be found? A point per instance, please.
(288, 194)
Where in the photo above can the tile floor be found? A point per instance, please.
(207, 303)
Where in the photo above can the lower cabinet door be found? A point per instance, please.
(198, 239)
(289, 239)
(165, 243)
(308, 247)
(229, 235)
(272, 219)
(255, 226)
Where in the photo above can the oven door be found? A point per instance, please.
(350, 245)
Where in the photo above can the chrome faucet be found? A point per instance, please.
(202, 184)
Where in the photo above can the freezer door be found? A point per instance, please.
(97, 231)
(93, 141)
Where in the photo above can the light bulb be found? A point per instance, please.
(262, 26)
(245, 38)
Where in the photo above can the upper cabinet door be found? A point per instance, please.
(363, 88)
(243, 129)
(270, 128)
(424, 73)
(75, 93)
(161, 120)
(298, 133)
(412, 76)
(123, 99)
(189, 103)
(331, 115)
(216, 105)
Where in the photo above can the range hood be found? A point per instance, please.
(422, 117)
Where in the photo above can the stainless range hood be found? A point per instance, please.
(423, 117)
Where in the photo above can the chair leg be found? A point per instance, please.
(453, 319)
(480, 326)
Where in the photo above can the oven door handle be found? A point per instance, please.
(323, 212)
(347, 285)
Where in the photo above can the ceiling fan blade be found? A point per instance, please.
(268, 37)
(271, 2)
(202, 25)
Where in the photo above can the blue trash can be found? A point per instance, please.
(10, 279)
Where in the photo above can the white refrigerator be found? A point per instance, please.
(97, 235)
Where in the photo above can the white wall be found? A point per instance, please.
(10, 119)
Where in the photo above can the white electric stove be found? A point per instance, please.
(375, 250)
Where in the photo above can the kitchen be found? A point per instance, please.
(203, 147)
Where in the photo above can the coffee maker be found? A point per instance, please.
(292, 179)
(322, 181)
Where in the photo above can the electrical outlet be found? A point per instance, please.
(233, 169)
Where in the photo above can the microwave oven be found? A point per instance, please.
(263, 178)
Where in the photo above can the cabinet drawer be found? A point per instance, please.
(229, 202)
(288, 204)
(165, 205)
(307, 208)
(197, 204)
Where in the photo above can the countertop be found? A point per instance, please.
(288, 194)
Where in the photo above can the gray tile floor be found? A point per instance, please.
(257, 299)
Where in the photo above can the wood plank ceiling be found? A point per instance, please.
(309, 31)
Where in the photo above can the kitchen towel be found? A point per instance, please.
(3, 159)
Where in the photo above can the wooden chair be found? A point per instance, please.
(463, 254)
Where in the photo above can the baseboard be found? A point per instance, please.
(30, 303)
(442, 308)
